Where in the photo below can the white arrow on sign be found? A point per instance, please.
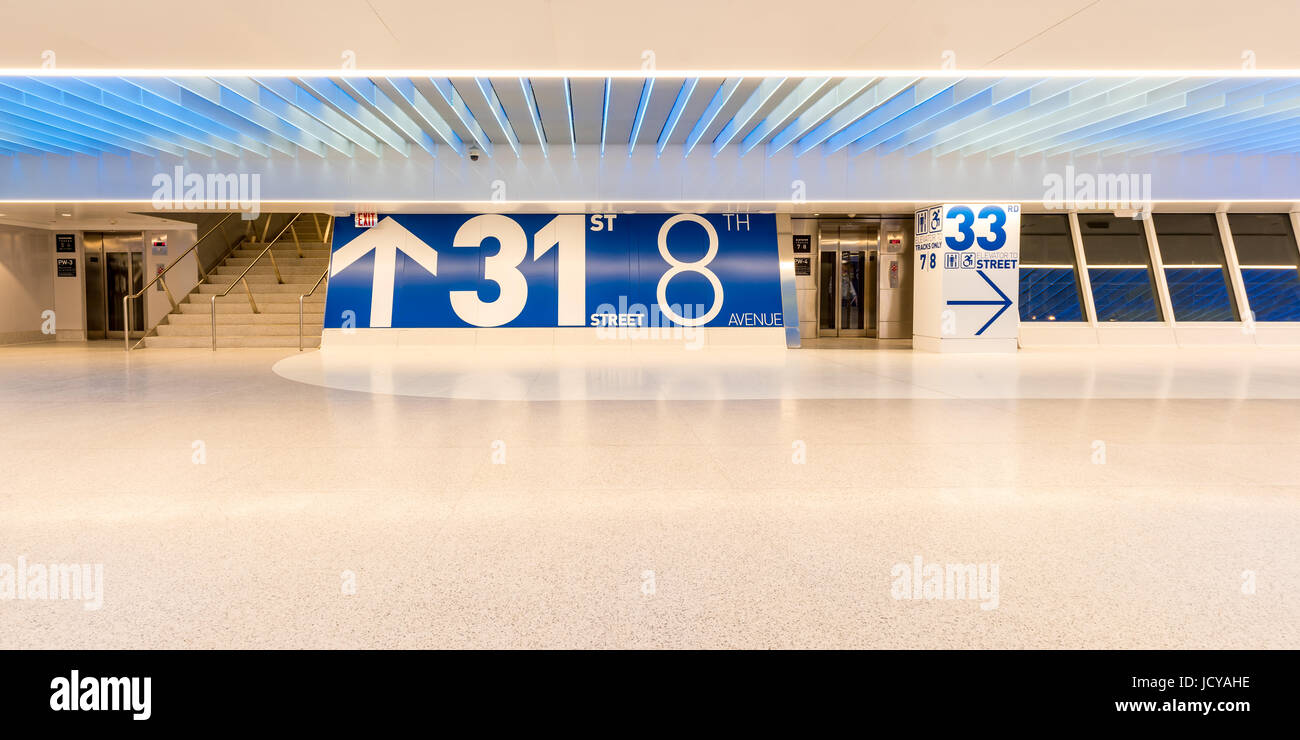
(386, 239)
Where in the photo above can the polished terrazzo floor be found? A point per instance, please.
(1130, 498)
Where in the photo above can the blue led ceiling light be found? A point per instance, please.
(719, 99)
(498, 113)
(756, 100)
(675, 115)
(646, 88)
(526, 86)
(784, 111)
(191, 116)
(604, 115)
(568, 108)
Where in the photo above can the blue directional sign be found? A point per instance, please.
(967, 267)
(1003, 302)
(548, 270)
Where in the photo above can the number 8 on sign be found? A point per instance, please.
(699, 266)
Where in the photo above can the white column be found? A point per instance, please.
(1234, 268)
(967, 278)
(1158, 265)
(1081, 264)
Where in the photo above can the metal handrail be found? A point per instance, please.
(203, 275)
(243, 279)
(319, 280)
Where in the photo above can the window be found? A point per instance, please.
(1266, 250)
(1119, 268)
(1049, 285)
(1194, 267)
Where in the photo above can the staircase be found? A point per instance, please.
(276, 322)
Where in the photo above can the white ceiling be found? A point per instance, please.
(682, 34)
(108, 216)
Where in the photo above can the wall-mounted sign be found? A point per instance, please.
(967, 274)
(66, 267)
(547, 270)
(365, 220)
(65, 243)
(803, 265)
(158, 247)
(803, 243)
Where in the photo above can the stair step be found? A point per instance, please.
(309, 318)
(281, 254)
(280, 259)
(276, 322)
(290, 278)
(289, 296)
(264, 268)
(226, 306)
(311, 254)
(260, 288)
(286, 242)
(205, 342)
(286, 245)
(239, 330)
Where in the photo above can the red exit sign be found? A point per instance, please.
(365, 220)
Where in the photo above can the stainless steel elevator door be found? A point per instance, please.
(827, 291)
(96, 307)
(847, 279)
(853, 293)
(873, 294)
(114, 269)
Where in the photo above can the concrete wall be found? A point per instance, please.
(180, 280)
(894, 312)
(806, 285)
(29, 282)
(26, 284)
(70, 294)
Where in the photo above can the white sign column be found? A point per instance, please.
(967, 278)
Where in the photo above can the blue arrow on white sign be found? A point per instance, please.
(386, 239)
(1003, 301)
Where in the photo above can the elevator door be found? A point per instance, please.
(847, 280)
(114, 269)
